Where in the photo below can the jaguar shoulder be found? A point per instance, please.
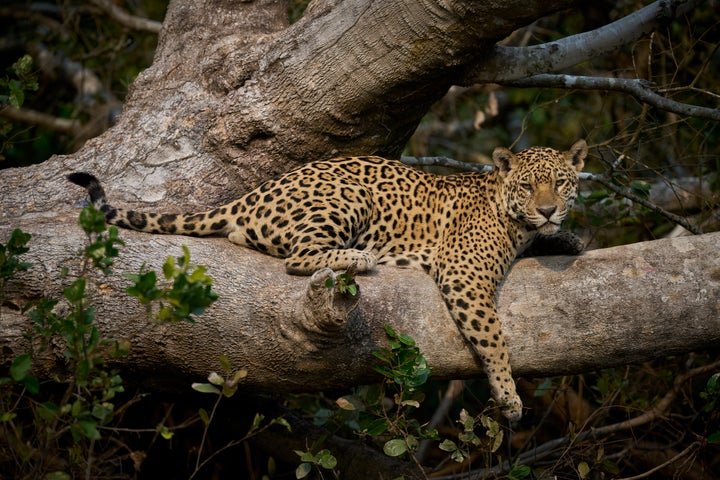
(464, 230)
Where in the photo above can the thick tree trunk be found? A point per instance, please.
(560, 314)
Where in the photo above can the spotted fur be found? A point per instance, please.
(464, 230)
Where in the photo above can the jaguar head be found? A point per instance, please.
(540, 184)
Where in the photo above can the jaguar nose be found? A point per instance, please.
(547, 212)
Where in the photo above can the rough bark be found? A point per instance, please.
(236, 95)
(560, 314)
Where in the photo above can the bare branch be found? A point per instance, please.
(445, 162)
(683, 222)
(86, 82)
(125, 19)
(33, 117)
(474, 167)
(506, 64)
(638, 88)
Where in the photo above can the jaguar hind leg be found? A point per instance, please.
(420, 260)
(313, 257)
(322, 241)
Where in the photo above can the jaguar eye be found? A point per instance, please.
(561, 184)
(526, 186)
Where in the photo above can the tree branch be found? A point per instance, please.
(506, 64)
(602, 179)
(125, 19)
(682, 221)
(640, 89)
(33, 117)
(445, 162)
(260, 323)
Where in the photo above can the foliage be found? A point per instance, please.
(12, 93)
(63, 37)
(711, 396)
(389, 413)
(226, 387)
(65, 419)
(320, 460)
(344, 283)
(82, 402)
(24, 80)
(190, 293)
(101, 247)
(10, 262)
(405, 371)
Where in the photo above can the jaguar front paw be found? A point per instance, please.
(511, 408)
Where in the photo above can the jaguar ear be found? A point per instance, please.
(504, 160)
(576, 155)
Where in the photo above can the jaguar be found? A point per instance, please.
(464, 229)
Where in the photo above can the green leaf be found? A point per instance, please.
(406, 340)
(257, 420)
(458, 456)
(47, 411)
(225, 364)
(18, 241)
(714, 438)
(20, 367)
(641, 189)
(169, 268)
(7, 417)
(375, 427)
(92, 220)
(165, 432)
(519, 471)
(283, 422)
(32, 384)
(326, 460)
(76, 291)
(215, 379)
(205, 388)
(103, 411)
(204, 416)
(583, 469)
(89, 429)
(395, 447)
(23, 66)
(447, 445)
(303, 470)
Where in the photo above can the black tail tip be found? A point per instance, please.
(81, 178)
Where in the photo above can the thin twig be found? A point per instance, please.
(640, 89)
(474, 167)
(664, 464)
(657, 411)
(455, 387)
(683, 222)
(127, 20)
(445, 162)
